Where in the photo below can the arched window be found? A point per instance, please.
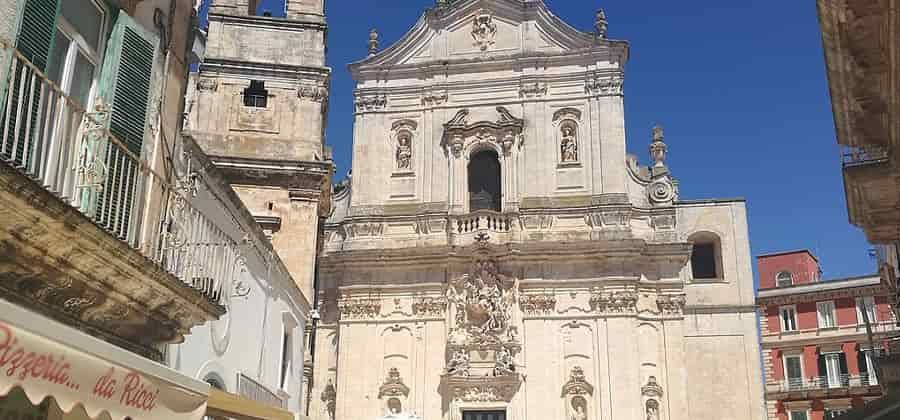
(484, 181)
(706, 256)
(783, 279)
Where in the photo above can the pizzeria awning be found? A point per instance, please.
(48, 359)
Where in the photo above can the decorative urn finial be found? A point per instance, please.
(601, 24)
(658, 147)
(373, 41)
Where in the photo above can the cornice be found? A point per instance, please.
(513, 253)
(224, 67)
(315, 22)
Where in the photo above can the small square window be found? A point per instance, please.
(256, 95)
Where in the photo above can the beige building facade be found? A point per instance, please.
(497, 254)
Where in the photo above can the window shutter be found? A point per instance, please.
(861, 360)
(36, 33)
(823, 371)
(126, 86)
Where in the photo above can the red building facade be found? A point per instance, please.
(819, 358)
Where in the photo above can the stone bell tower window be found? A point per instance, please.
(256, 95)
(484, 181)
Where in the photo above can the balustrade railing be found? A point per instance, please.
(483, 220)
(70, 152)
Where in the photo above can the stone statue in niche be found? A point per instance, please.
(569, 145)
(652, 410)
(404, 151)
(504, 363)
(579, 409)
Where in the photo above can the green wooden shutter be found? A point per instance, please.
(126, 85)
(37, 31)
(36, 34)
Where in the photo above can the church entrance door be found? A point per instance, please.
(484, 415)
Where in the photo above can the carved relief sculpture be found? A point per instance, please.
(617, 302)
(569, 144)
(671, 304)
(535, 304)
(577, 384)
(484, 30)
(393, 386)
(481, 302)
(652, 410)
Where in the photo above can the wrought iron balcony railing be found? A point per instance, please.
(70, 151)
(822, 383)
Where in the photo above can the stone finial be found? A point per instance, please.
(373, 41)
(601, 24)
(658, 148)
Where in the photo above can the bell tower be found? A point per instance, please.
(258, 108)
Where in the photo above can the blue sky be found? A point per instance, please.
(739, 86)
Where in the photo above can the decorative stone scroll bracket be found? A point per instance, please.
(577, 384)
(370, 102)
(613, 85)
(393, 385)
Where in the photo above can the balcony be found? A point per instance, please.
(823, 387)
(872, 185)
(482, 226)
(95, 236)
(852, 157)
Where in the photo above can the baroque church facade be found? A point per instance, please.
(497, 254)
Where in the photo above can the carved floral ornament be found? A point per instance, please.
(370, 102)
(537, 304)
(429, 306)
(612, 85)
(313, 93)
(615, 302)
(505, 132)
(671, 304)
(359, 307)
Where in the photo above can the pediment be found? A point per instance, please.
(470, 30)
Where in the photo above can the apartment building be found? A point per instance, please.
(820, 338)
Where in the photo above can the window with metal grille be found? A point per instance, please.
(256, 95)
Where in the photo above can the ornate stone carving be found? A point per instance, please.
(458, 365)
(435, 97)
(601, 25)
(537, 304)
(373, 42)
(658, 147)
(356, 230)
(652, 388)
(577, 384)
(484, 393)
(393, 385)
(481, 302)
(91, 171)
(207, 85)
(371, 103)
(506, 132)
(359, 308)
(614, 218)
(313, 93)
(671, 304)
(652, 409)
(484, 30)
(533, 90)
(429, 306)
(616, 302)
(608, 86)
(662, 191)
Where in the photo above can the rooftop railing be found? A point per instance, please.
(53, 140)
(864, 155)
